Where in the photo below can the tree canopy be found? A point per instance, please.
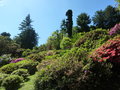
(82, 21)
(107, 18)
(28, 38)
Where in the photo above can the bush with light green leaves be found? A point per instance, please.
(66, 43)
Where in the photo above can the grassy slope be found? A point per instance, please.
(29, 85)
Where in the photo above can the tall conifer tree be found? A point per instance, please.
(28, 36)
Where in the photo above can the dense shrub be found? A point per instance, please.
(76, 54)
(18, 53)
(7, 45)
(92, 39)
(26, 52)
(29, 65)
(21, 72)
(76, 36)
(72, 75)
(110, 51)
(36, 57)
(55, 54)
(43, 47)
(59, 74)
(76, 71)
(5, 59)
(66, 43)
(25, 64)
(57, 77)
(2, 77)
(115, 30)
(12, 82)
(96, 76)
(9, 68)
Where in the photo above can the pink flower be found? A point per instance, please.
(17, 60)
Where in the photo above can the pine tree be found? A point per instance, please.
(28, 38)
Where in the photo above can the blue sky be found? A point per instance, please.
(46, 14)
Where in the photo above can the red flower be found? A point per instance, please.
(109, 51)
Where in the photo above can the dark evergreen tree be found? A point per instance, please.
(28, 38)
(82, 21)
(69, 22)
(112, 16)
(5, 34)
(106, 19)
(99, 19)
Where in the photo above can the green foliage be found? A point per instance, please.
(9, 68)
(7, 46)
(55, 54)
(21, 72)
(4, 59)
(66, 43)
(92, 39)
(5, 34)
(29, 65)
(71, 68)
(28, 37)
(43, 47)
(53, 42)
(18, 53)
(57, 76)
(25, 64)
(60, 73)
(69, 23)
(111, 16)
(76, 30)
(107, 18)
(97, 76)
(75, 54)
(12, 82)
(26, 52)
(2, 77)
(63, 27)
(74, 71)
(76, 36)
(99, 19)
(118, 3)
(82, 21)
(36, 57)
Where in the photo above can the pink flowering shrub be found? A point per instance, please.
(115, 29)
(110, 51)
(17, 60)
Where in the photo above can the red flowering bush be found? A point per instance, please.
(110, 51)
(17, 60)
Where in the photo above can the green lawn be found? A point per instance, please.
(2, 88)
(29, 85)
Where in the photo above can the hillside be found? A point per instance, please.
(81, 57)
(71, 69)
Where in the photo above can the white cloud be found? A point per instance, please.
(2, 3)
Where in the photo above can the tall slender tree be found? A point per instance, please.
(28, 38)
(69, 22)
